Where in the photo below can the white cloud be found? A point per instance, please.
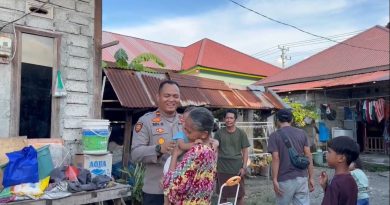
(245, 31)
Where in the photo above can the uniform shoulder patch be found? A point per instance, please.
(138, 126)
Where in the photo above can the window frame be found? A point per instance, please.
(16, 80)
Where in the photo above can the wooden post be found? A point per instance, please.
(97, 65)
(126, 142)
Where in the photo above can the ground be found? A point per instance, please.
(260, 190)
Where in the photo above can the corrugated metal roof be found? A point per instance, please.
(138, 90)
(211, 54)
(198, 82)
(271, 100)
(249, 98)
(170, 55)
(339, 58)
(129, 89)
(342, 81)
(192, 96)
(205, 53)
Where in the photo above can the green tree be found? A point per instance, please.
(300, 112)
(121, 60)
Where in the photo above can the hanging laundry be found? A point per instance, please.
(347, 113)
(367, 103)
(373, 115)
(370, 110)
(358, 106)
(380, 109)
(387, 110)
(364, 110)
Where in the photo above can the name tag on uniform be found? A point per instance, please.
(160, 130)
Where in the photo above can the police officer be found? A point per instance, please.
(152, 140)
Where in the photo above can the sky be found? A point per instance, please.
(183, 22)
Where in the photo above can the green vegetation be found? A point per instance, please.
(136, 176)
(302, 114)
(121, 61)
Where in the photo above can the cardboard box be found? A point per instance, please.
(96, 164)
(10, 144)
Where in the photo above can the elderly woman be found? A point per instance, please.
(192, 180)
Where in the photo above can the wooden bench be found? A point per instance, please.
(116, 193)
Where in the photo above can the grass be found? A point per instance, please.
(375, 167)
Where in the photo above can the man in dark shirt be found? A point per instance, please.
(291, 184)
(342, 190)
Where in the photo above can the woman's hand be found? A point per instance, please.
(198, 141)
(177, 152)
(168, 147)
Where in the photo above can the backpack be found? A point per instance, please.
(299, 161)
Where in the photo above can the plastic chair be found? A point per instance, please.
(230, 182)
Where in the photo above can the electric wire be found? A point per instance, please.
(26, 14)
(313, 41)
(301, 30)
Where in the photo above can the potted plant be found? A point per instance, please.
(134, 177)
(260, 164)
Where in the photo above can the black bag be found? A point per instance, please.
(299, 161)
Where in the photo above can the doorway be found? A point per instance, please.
(34, 110)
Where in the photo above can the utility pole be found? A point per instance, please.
(283, 56)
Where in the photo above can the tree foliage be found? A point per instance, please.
(121, 59)
(301, 112)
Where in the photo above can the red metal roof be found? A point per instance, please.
(205, 53)
(339, 58)
(347, 80)
(211, 54)
(138, 90)
(170, 55)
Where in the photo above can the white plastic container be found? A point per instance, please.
(95, 134)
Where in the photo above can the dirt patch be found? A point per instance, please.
(259, 190)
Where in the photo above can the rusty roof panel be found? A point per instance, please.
(272, 101)
(128, 88)
(198, 82)
(138, 90)
(215, 98)
(192, 96)
(249, 98)
(233, 100)
(152, 82)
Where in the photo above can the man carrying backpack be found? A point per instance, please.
(292, 165)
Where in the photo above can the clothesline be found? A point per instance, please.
(361, 98)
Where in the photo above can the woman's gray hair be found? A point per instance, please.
(202, 119)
